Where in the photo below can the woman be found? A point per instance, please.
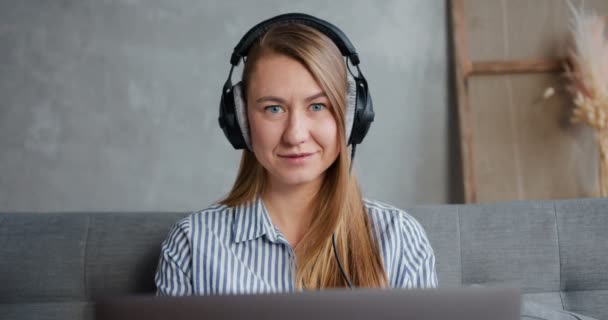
(295, 218)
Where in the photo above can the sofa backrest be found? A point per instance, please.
(555, 251)
(52, 265)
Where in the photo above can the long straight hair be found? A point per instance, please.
(337, 207)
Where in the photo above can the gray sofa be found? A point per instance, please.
(53, 265)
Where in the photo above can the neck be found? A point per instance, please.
(291, 208)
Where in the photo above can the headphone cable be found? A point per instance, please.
(350, 286)
(333, 237)
(352, 157)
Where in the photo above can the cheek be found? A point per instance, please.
(263, 135)
(328, 133)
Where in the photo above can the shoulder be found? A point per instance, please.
(199, 218)
(383, 216)
(209, 213)
(390, 222)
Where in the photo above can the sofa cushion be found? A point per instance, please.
(583, 237)
(550, 299)
(441, 225)
(123, 251)
(589, 303)
(42, 256)
(536, 311)
(47, 311)
(512, 244)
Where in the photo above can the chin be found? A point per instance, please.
(299, 179)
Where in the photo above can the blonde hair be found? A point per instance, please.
(338, 205)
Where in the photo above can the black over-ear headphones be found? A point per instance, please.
(363, 110)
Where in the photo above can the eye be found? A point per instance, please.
(317, 107)
(274, 109)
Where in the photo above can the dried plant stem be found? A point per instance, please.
(588, 75)
(602, 139)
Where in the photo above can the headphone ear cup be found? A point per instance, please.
(351, 107)
(240, 107)
(364, 112)
(228, 119)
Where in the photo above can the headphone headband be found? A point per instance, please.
(336, 35)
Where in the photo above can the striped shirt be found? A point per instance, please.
(235, 250)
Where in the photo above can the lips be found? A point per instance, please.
(296, 155)
(297, 159)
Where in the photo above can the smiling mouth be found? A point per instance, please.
(296, 155)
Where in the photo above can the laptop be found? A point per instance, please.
(334, 304)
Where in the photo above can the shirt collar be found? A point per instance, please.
(251, 221)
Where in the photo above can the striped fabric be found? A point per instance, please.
(232, 250)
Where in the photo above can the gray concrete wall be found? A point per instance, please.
(112, 105)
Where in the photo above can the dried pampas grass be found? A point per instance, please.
(587, 71)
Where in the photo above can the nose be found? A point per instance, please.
(296, 130)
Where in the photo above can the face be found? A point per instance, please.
(293, 132)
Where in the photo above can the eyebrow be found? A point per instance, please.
(281, 100)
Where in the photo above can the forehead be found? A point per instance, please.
(281, 75)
